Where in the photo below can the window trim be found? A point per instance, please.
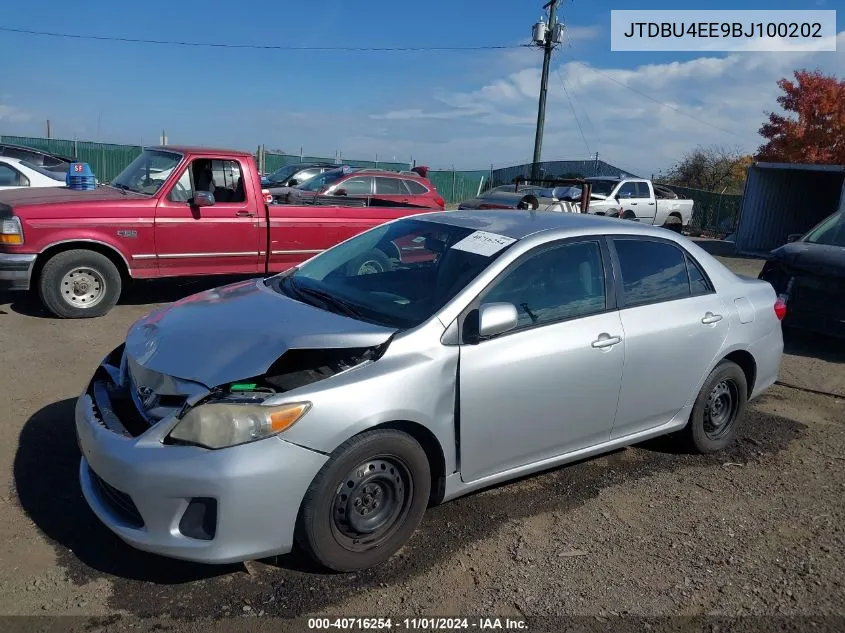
(617, 269)
(610, 293)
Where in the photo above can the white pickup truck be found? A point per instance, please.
(640, 200)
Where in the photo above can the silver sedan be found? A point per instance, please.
(327, 408)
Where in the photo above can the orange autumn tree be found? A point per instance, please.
(817, 133)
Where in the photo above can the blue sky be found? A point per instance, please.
(469, 109)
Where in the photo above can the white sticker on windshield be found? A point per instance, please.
(483, 243)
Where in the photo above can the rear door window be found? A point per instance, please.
(358, 186)
(390, 187)
(652, 272)
(416, 188)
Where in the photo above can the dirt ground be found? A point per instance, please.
(645, 531)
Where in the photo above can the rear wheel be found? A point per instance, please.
(718, 409)
(78, 284)
(673, 223)
(366, 501)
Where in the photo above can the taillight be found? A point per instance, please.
(440, 202)
(780, 308)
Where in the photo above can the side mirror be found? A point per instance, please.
(293, 182)
(794, 237)
(340, 192)
(496, 318)
(203, 199)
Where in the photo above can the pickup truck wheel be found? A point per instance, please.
(79, 284)
(718, 410)
(374, 261)
(673, 223)
(366, 501)
(629, 215)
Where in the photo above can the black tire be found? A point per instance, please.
(707, 431)
(328, 517)
(630, 215)
(98, 284)
(673, 223)
(374, 261)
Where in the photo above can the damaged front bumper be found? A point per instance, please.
(186, 502)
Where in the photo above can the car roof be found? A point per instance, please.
(196, 149)
(32, 150)
(384, 172)
(521, 224)
(9, 159)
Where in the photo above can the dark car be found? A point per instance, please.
(46, 160)
(281, 180)
(809, 274)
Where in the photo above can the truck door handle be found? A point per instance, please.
(606, 340)
(710, 318)
(633, 204)
(244, 214)
(651, 204)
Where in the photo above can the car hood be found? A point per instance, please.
(60, 195)
(820, 259)
(237, 332)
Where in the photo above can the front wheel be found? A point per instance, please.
(78, 284)
(718, 409)
(366, 501)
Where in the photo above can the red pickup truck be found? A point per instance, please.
(174, 211)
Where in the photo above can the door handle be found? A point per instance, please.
(633, 204)
(651, 204)
(244, 214)
(710, 318)
(606, 340)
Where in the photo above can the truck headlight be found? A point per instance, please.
(11, 233)
(219, 425)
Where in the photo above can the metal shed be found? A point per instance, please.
(784, 198)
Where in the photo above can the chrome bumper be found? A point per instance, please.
(16, 270)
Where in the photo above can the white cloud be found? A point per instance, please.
(11, 114)
(642, 119)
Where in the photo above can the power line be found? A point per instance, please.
(274, 47)
(574, 113)
(650, 98)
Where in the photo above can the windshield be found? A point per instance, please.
(282, 174)
(147, 173)
(44, 172)
(603, 187)
(323, 180)
(397, 274)
(830, 232)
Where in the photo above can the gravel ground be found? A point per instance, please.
(755, 531)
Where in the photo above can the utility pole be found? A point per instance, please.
(48, 129)
(547, 36)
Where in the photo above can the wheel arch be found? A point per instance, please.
(116, 257)
(747, 364)
(433, 451)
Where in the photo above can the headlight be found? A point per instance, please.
(218, 425)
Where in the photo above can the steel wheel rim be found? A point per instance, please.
(370, 267)
(720, 411)
(371, 503)
(82, 287)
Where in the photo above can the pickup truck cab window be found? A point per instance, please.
(628, 190)
(148, 173)
(643, 190)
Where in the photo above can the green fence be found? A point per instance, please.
(456, 186)
(714, 214)
(106, 159)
